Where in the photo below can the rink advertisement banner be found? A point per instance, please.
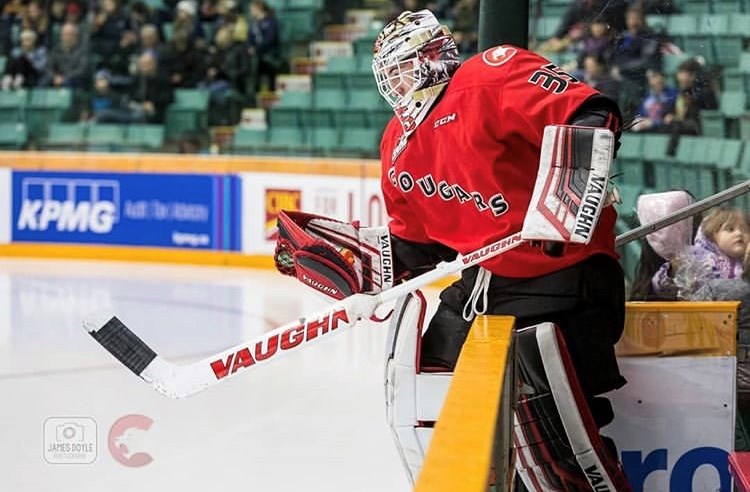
(5, 209)
(674, 420)
(264, 195)
(156, 210)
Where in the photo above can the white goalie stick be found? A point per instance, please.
(566, 200)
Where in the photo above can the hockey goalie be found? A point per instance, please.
(502, 142)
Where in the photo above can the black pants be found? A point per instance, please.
(587, 302)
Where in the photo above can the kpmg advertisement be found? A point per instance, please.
(158, 210)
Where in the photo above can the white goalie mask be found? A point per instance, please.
(414, 58)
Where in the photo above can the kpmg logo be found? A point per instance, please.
(69, 205)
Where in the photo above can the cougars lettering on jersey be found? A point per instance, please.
(466, 174)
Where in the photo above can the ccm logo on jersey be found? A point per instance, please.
(445, 119)
(498, 55)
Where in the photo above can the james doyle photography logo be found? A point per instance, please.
(70, 440)
(126, 440)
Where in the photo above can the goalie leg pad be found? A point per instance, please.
(556, 436)
(413, 398)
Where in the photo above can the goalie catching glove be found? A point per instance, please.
(336, 258)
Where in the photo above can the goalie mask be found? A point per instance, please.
(414, 58)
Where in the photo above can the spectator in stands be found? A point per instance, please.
(11, 11)
(185, 63)
(694, 93)
(149, 41)
(659, 102)
(598, 41)
(662, 246)
(73, 13)
(62, 12)
(580, 13)
(596, 74)
(151, 92)
(104, 104)
(35, 18)
(230, 14)
(107, 30)
(139, 15)
(465, 15)
(186, 20)
(27, 63)
(264, 44)
(228, 67)
(718, 253)
(68, 64)
(637, 50)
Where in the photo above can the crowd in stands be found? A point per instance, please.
(613, 48)
(123, 59)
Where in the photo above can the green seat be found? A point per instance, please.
(712, 123)
(682, 24)
(544, 27)
(713, 24)
(728, 49)
(324, 141)
(739, 24)
(299, 24)
(728, 162)
(66, 136)
(287, 111)
(350, 118)
(659, 172)
(144, 137)
(360, 141)
(628, 166)
(363, 81)
(331, 99)
(366, 99)
(329, 80)
(744, 127)
(247, 140)
(304, 4)
(46, 106)
(378, 118)
(670, 62)
(188, 112)
(701, 45)
(341, 65)
(13, 135)
(314, 117)
(695, 161)
(732, 103)
(726, 6)
(287, 139)
(105, 137)
(13, 105)
(696, 6)
(364, 46)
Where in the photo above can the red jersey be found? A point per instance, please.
(466, 176)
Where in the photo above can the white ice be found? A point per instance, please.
(313, 420)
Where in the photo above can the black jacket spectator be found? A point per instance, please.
(68, 64)
(184, 62)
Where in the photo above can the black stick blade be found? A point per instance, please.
(124, 345)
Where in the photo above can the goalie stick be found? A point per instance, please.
(566, 204)
(181, 381)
